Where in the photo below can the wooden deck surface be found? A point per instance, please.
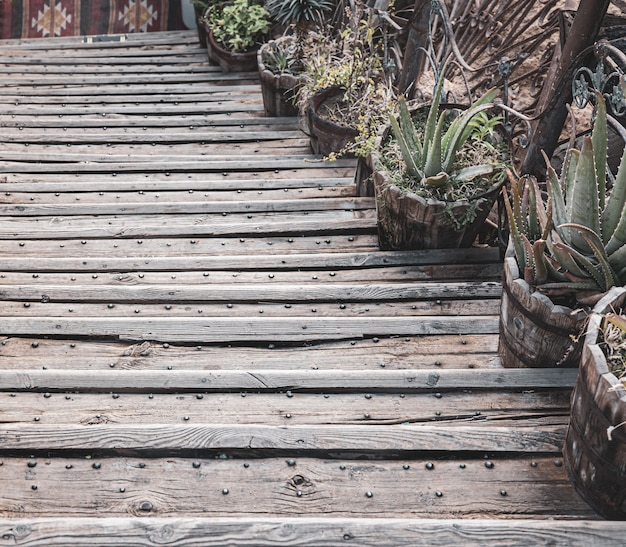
(201, 343)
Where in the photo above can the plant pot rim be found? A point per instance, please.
(318, 98)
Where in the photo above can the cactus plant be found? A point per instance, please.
(576, 241)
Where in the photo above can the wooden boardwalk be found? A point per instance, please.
(201, 343)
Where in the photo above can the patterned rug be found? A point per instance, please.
(49, 18)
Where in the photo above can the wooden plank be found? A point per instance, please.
(277, 274)
(197, 207)
(350, 408)
(251, 329)
(313, 292)
(279, 380)
(335, 250)
(401, 353)
(138, 226)
(271, 487)
(242, 163)
(311, 532)
(297, 440)
(258, 263)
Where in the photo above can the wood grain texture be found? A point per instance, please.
(312, 532)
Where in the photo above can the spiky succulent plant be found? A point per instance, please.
(302, 14)
(576, 241)
(431, 155)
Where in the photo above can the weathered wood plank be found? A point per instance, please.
(250, 329)
(271, 488)
(312, 532)
(192, 208)
(370, 271)
(490, 408)
(413, 353)
(279, 380)
(137, 226)
(242, 163)
(325, 292)
(366, 438)
(275, 273)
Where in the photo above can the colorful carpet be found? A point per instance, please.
(49, 18)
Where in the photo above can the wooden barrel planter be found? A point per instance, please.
(279, 90)
(407, 221)
(534, 331)
(326, 136)
(230, 61)
(595, 464)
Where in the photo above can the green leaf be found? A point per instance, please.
(599, 141)
(584, 194)
(432, 148)
(614, 214)
(469, 173)
(413, 168)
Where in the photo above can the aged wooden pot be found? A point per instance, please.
(596, 465)
(326, 136)
(230, 61)
(279, 90)
(407, 221)
(534, 331)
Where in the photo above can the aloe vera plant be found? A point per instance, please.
(430, 157)
(576, 241)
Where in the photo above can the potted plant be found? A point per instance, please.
(563, 254)
(595, 445)
(235, 31)
(345, 92)
(281, 61)
(437, 171)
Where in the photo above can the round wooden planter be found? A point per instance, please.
(228, 60)
(279, 90)
(327, 137)
(596, 465)
(535, 332)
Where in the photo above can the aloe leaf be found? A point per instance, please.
(469, 173)
(541, 271)
(558, 249)
(599, 141)
(613, 216)
(486, 99)
(409, 130)
(601, 271)
(436, 181)
(513, 215)
(585, 268)
(455, 139)
(432, 159)
(407, 152)
(617, 260)
(555, 193)
(584, 204)
(568, 175)
(529, 261)
(433, 113)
